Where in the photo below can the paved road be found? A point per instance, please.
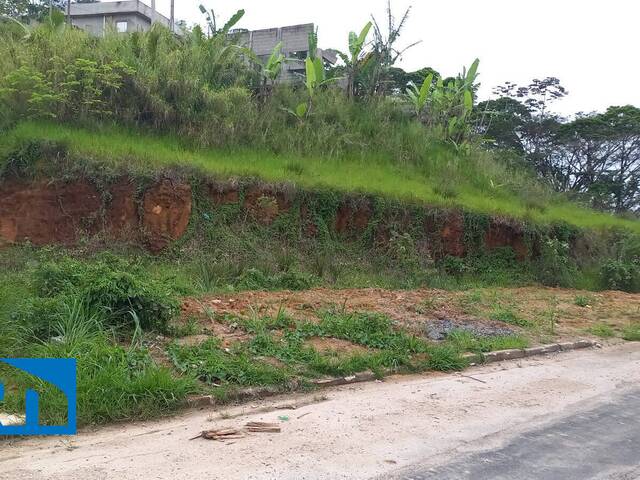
(601, 443)
(566, 416)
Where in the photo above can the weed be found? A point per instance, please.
(632, 333)
(454, 266)
(507, 315)
(113, 383)
(427, 305)
(602, 330)
(445, 358)
(190, 327)
(583, 301)
(212, 364)
(470, 301)
(467, 342)
(144, 153)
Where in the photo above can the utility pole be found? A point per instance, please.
(69, 12)
(172, 18)
(153, 11)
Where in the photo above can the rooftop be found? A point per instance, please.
(115, 8)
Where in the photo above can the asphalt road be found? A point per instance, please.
(601, 443)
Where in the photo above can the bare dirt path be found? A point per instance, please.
(357, 432)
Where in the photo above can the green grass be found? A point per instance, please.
(602, 330)
(117, 149)
(508, 315)
(632, 333)
(467, 342)
(114, 383)
(382, 347)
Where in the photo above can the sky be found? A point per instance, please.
(592, 46)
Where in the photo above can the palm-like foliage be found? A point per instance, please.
(385, 51)
(357, 58)
(273, 67)
(446, 105)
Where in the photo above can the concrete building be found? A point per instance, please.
(125, 16)
(133, 15)
(295, 47)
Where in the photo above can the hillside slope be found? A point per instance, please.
(466, 182)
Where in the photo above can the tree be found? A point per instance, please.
(595, 157)
(23, 9)
(357, 58)
(398, 80)
(598, 157)
(521, 119)
(385, 51)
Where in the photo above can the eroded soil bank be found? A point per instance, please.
(156, 212)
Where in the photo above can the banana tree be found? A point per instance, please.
(419, 96)
(212, 21)
(315, 77)
(273, 67)
(357, 57)
(446, 106)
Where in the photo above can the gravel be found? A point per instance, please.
(440, 328)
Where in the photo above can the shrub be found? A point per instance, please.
(620, 275)
(582, 301)
(121, 289)
(453, 266)
(554, 266)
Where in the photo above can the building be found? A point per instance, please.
(295, 47)
(125, 16)
(134, 15)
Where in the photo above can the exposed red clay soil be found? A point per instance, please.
(265, 204)
(353, 218)
(62, 213)
(452, 235)
(223, 194)
(502, 234)
(48, 213)
(167, 209)
(121, 217)
(415, 307)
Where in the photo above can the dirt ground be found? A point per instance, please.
(548, 314)
(353, 432)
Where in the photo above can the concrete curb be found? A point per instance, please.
(501, 355)
(201, 401)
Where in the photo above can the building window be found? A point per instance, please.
(300, 54)
(122, 27)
